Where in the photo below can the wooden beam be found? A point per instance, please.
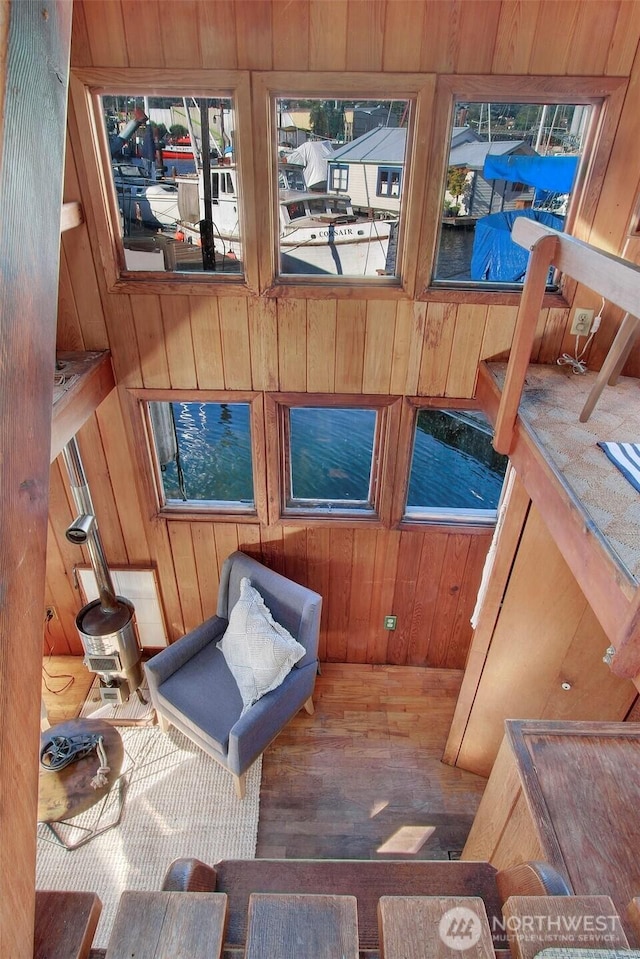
(542, 253)
(626, 659)
(616, 279)
(71, 216)
(35, 75)
(65, 924)
(96, 380)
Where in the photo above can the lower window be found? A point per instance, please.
(456, 475)
(331, 458)
(203, 454)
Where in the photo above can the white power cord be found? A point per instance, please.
(576, 362)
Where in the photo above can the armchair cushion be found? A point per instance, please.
(258, 651)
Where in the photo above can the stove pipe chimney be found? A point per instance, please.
(106, 626)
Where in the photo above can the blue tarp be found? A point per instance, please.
(495, 256)
(554, 174)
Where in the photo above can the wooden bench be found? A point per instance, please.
(65, 924)
(299, 926)
(367, 880)
(534, 923)
(415, 927)
(168, 925)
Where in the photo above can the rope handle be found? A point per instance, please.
(100, 778)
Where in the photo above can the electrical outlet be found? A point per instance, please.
(582, 320)
(390, 622)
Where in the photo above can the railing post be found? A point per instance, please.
(542, 255)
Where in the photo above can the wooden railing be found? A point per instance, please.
(617, 280)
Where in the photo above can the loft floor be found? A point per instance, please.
(360, 779)
(550, 407)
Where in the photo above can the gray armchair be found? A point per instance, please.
(193, 689)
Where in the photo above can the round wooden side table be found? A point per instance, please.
(68, 792)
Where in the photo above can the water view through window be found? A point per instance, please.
(204, 452)
(340, 178)
(331, 454)
(454, 465)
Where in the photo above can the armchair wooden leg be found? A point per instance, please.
(309, 706)
(241, 785)
(163, 722)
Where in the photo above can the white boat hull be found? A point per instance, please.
(349, 250)
(319, 233)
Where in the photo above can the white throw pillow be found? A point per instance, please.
(258, 651)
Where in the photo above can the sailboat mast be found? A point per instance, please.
(197, 154)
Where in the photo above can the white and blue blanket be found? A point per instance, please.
(626, 457)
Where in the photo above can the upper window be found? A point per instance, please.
(339, 144)
(204, 455)
(456, 476)
(389, 179)
(505, 160)
(175, 181)
(338, 177)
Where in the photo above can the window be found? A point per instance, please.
(389, 179)
(203, 454)
(338, 177)
(331, 457)
(456, 476)
(337, 144)
(506, 160)
(331, 461)
(175, 182)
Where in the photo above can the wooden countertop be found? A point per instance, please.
(582, 787)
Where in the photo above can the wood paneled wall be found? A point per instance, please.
(349, 344)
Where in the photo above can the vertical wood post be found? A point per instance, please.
(35, 39)
(542, 253)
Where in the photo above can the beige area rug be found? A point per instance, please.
(179, 802)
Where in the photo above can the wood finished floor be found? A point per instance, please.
(365, 770)
(360, 779)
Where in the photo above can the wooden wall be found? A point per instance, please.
(538, 648)
(428, 346)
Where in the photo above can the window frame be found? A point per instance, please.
(389, 170)
(86, 85)
(343, 170)
(267, 87)
(411, 406)
(277, 406)
(234, 513)
(604, 94)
